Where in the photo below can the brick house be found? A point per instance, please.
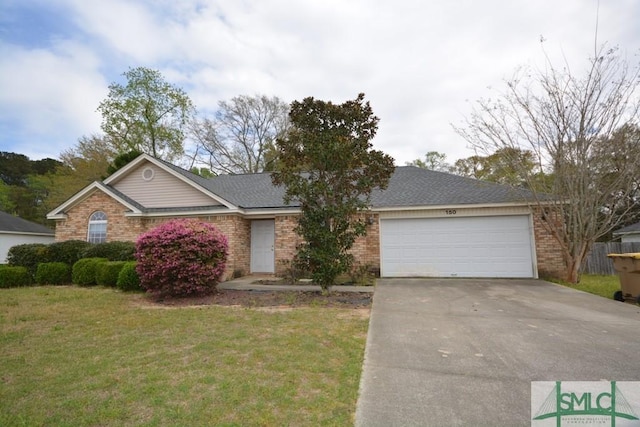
(425, 223)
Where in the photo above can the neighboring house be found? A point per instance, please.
(17, 231)
(628, 234)
(425, 223)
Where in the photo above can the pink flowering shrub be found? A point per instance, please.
(182, 257)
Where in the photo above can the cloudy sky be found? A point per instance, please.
(421, 63)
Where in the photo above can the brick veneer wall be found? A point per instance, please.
(548, 250)
(119, 227)
(366, 250)
(286, 241)
(238, 230)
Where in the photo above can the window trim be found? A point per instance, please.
(99, 236)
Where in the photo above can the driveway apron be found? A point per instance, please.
(447, 352)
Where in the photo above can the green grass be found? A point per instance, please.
(601, 285)
(91, 356)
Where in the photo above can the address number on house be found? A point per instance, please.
(450, 212)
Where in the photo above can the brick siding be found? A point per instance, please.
(366, 249)
(119, 227)
(286, 241)
(548, 250)
(122, 228)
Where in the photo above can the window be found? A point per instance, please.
(97, 228)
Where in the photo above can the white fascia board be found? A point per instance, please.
(270, 212)
(126, 168)
(251, 213)
(58, 213)
(181, 213)
(145, 157)
(464, 206)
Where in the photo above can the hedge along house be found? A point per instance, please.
(425, 223)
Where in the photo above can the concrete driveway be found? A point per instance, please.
(445, 352)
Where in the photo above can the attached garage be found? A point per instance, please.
(473, 246)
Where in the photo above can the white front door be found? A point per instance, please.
(262, 241)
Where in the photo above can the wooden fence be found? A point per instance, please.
(597, 261)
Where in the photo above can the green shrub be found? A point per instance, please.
(128, 279)
(113, 251)
(83, 272)
(29, 256)
(53, 273)
(69, 251)
(107, 273)
(13, 277)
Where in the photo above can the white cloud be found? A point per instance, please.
(419, 63)
(50, 95)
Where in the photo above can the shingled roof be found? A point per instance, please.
(408, 186)
(413, 186)
(13, 224)
(633, 228)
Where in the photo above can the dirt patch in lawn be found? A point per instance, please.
(277, 300)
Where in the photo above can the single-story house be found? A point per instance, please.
(628, 234)
(17, 231)
(425, 223)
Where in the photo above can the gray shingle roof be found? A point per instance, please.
(250, 191)
(14, 224)
(409, 186)
(413, 186)
(633, 228)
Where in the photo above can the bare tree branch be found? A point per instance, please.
(583, 131)
(243, 131)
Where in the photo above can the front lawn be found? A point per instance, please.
(601, 285)
(95, 356)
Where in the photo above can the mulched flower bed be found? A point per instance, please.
(262, 298)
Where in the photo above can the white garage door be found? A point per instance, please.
(492, 246)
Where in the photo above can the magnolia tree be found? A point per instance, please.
(182, 257)
(328, 166)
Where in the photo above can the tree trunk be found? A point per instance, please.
(573, 270)
(574, 262)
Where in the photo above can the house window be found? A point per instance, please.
(97, 228)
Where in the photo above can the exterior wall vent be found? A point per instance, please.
(147, 174)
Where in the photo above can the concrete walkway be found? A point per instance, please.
(454, 352)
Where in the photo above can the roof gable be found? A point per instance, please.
(154, 187)
(59, 212)
(192, 180)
